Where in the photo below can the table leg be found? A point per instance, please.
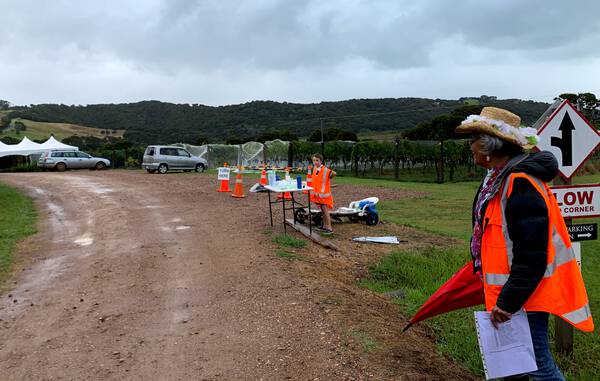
(309, 214)
(270, 208)
(293, 206)
(283, 203)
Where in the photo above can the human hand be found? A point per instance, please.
(498, 315)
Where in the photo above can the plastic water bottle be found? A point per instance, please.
(299, 181)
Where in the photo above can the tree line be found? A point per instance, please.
(153, 122)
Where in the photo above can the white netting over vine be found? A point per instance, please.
(276, 153)
(252, 154)
(196, 150)
(222, 153)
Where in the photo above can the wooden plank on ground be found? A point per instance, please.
(314, 236)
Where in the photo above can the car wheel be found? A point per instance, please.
(60, 167)
(151, 170)
(199, 168)
(162, 169)
(100, 166)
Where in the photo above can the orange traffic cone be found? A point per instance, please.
(224, 184)
(285, 195)
(308, 178)
(238, 191)
(263, 177)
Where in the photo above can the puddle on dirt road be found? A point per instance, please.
(84, 240)
(182, 227)
(37, 278)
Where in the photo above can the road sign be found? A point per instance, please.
(583, 232)
(570, 137)
(576, 201)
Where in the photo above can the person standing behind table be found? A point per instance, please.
(520, 244)
(321, 193)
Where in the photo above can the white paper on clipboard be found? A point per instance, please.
(508, 350)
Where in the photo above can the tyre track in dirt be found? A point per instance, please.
(135, 276)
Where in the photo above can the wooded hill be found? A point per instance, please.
(159, 122)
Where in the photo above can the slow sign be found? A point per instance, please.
(578, 200)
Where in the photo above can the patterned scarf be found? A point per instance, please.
(488, 190)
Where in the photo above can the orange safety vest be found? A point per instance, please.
(561, 291)
(321, 184)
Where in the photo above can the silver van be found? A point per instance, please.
(162, 159)
(61, 160)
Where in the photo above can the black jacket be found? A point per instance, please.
(527, 224)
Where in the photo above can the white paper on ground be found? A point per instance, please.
(508, 350)
(388, 239)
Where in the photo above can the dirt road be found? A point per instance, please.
(159, 277)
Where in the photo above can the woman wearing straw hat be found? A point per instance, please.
(520, 245)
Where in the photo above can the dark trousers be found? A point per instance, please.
(547, 369)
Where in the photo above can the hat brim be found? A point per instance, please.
(480, 127)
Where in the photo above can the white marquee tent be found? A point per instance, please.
(26, 147)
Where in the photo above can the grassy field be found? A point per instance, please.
(17, 220)
(42, 131)
(445, 211)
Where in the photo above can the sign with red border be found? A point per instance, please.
(578, 201)
(570, 137)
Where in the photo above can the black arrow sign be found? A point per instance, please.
(583, 232)
(565, 143)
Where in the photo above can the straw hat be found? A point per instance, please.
(501, 123)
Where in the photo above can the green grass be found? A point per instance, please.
(43, 130)
(367, 343)
(289, 256)
(445, 210)
(285, 240)
(17, 220)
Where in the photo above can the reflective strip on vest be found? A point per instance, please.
(322, 195)
(323, 181)
(578, 316)
(496, 279)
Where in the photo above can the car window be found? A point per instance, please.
(82, 154)
(150, 151)
(57, 154)
(168, 151)
(69, 154)
(183, 152)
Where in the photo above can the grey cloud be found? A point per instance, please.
(281, 35)
(271, 45)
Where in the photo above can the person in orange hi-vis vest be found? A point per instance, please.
(321, 193)
(520, 244)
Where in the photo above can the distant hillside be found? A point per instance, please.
(43, 130)
(159, 122)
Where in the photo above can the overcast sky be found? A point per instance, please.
(219, 52)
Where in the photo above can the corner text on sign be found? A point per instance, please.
(578, 201)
